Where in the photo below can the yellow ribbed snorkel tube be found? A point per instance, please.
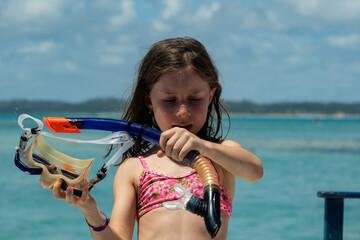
(209, 206)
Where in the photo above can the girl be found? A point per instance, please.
(177, 92)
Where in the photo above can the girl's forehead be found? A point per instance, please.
(186, 79)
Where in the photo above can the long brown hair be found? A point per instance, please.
(172, 55)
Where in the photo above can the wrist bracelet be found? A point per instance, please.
(98, 229)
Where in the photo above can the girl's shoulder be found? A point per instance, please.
(130, 169)
(134, 164)
(228, 142)
(131, 162)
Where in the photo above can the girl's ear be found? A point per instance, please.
(212, 92)
(148, 102)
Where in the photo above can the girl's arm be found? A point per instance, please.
(177, 142)
(123, 214)
(234, 159)
(124, 211)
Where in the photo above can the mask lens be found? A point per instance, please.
(54, 164)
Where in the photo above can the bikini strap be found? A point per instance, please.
(143, 162)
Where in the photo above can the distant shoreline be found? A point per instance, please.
(114, 105)
(311, 116)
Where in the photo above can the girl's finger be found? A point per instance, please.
(178, 148)
(186, 148)
(69, 197)
(169, 148)
(160, 153)
(85, 192)
(57, 191)
(164, 137)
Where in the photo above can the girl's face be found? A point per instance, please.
(180, 99)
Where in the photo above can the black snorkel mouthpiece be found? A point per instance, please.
(209, 207)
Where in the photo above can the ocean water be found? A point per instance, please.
(300, 155)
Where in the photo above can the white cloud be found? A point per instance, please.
(40, 48)
(172, 8)
(329, 10)
(79, 39)
(128, 13)
(70, 66)
(19, 12)
(182, 13)
(274, 19)
(206, 11)
(108, 59)
(354, 67)
(160, 25)
(170, 11)
(293, 60)
(344, 41)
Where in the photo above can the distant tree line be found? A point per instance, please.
(117, 105)
(293, 107)
(38, 106)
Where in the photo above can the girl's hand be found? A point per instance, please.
(177, 142)
(85, 202)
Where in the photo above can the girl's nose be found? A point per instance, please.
(183, 111)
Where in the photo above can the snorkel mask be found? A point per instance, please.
(41, 159)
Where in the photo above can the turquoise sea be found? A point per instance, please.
(301, 155)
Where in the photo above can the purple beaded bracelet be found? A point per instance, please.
(99, 229)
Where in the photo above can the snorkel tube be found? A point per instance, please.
(208, 207)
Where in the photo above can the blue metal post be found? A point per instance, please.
(334, 212)
(333, 218)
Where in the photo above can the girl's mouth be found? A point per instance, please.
(187, 127)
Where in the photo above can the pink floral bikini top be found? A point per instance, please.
(154, 188)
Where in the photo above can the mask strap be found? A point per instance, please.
(113, 138)
(22, 117)
(126, 146)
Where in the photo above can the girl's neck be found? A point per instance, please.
(152, 153)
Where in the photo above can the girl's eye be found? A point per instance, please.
(169, 100)
(194, 99)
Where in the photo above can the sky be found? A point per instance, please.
(265, 50)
